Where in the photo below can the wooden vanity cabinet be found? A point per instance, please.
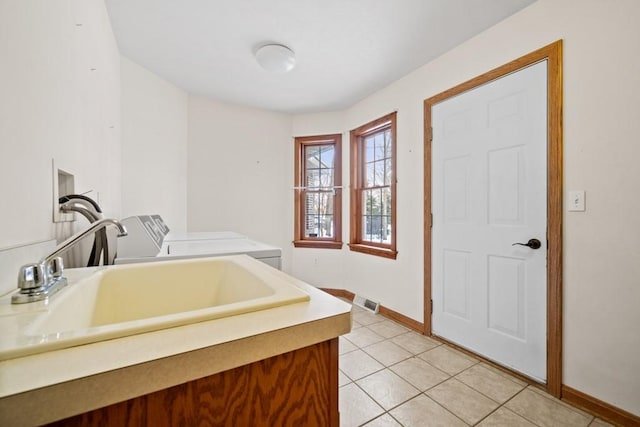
(299, 388)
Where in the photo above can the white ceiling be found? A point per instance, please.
(345, 49)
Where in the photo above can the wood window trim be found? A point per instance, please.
(356, 243)
(552, 53)
(318, 244)
(373, 250)
(299, 240)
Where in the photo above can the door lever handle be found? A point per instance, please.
(532, 243)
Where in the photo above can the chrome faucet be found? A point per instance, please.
(40, 280)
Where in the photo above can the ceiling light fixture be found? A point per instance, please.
(276, 58)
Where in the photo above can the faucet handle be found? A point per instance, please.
(55, 267)
(31, 276)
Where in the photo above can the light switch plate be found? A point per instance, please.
(576, 201)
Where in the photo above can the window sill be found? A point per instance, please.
(374, 250)
(318, 244)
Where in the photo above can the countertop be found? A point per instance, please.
(49, 386)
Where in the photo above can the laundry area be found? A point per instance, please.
(150, 239)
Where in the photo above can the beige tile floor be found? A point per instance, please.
(392, 376)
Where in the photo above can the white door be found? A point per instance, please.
(489, 191)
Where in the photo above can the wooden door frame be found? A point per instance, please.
(553, 55)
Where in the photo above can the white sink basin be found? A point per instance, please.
(129, 299)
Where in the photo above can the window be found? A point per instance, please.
(373, 187)
(318, 192)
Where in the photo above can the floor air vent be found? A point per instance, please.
(366, 303)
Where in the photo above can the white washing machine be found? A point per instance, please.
(149, 239)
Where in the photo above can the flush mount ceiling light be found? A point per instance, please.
(276, 58)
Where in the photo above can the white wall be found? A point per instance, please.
(601, 150)
(238, 172)
(54, 106)
(154, 146)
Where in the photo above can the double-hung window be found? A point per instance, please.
(373, 188)
(318, 192)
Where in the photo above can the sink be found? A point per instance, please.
(123, 300)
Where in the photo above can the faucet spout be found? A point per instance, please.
(73, 240)
(38, 281)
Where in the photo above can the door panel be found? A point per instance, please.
(456, 184)
(456, 276)
(489, 190)
(506, 296)
(506, 185)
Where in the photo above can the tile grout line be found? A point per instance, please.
(484, 394)
(438, 403)
(383, 408)
(412, 355)
(420, 392)
(560, 403)
(502, 405)
(379, 361)
(388, 411)
(517, 413)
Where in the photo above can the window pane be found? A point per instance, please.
(320, 226)
(370, 178)
(319, 166)
(325, 226)
(380, 145)
(371, 205)
(376, 218)
(387, 144)
(385, 196)
(375, 223)
(326, 178)
(387, 172)
(311, 209)
(319, 203)
(371, 218)
(312, 178)
(312, 156)
(319, 214)
(311, 229)
(326, 156)
(369, 146)
(326, 203)
(386, 228)
(366, 228)
(379, 173)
